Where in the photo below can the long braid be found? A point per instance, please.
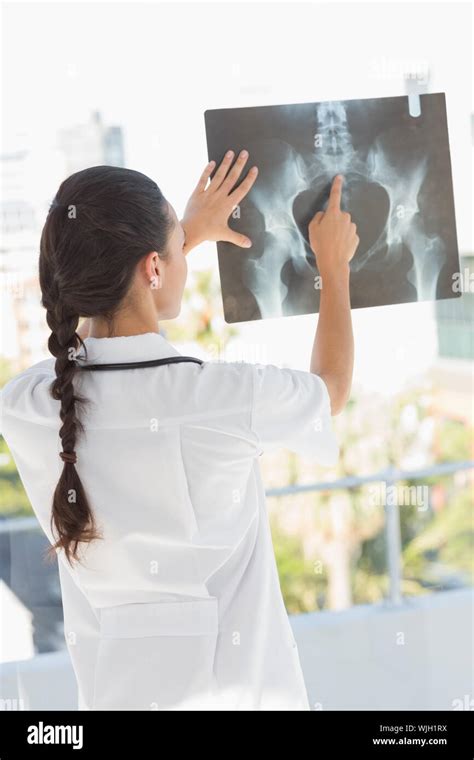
(71, 514)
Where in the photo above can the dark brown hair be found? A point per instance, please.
(102, 221)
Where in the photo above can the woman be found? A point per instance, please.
(146, 479)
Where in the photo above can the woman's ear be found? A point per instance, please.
(152, 270)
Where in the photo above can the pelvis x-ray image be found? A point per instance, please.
(397, 188)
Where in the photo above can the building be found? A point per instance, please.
(23, 209)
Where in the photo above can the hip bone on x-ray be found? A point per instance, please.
(397, 188)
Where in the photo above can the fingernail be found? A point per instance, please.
(254, 169)
(229, 154)
(244, 153)
(247, 243)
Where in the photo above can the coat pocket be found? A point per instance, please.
(187, 618)
(156, 656)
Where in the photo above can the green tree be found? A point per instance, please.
(13, 499)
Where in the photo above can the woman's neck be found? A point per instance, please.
(97, 327)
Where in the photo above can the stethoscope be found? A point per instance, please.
(138, 365)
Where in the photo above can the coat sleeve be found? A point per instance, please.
(291, 409)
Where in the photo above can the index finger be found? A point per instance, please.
(334, 202)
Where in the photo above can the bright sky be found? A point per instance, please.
(154, 68)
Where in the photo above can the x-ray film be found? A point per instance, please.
(398, 190)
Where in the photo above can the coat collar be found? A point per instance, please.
(127, 348)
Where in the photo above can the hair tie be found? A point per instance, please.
(68, 456)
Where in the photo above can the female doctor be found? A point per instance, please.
(142, 465)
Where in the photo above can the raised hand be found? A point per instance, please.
(332, 235)
(210, 206)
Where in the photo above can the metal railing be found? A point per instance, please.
(389, 477)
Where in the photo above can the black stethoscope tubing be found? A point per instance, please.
(140, 364)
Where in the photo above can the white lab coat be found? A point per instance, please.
(179, 605)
